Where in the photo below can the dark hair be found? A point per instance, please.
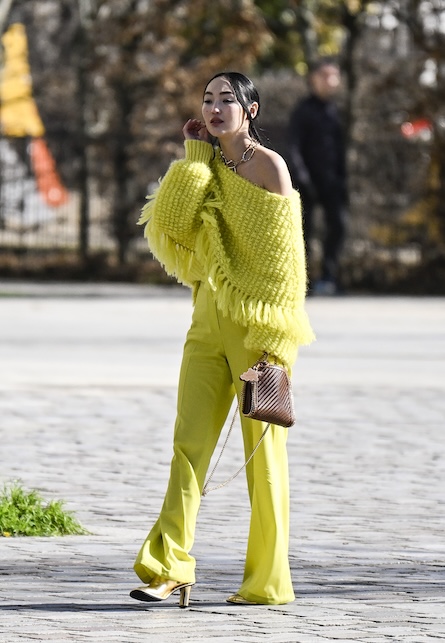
(325, 61)
(246, 94)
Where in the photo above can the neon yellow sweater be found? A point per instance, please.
(206, 223)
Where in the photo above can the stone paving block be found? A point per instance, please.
(406, 638)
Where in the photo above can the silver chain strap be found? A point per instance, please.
(206, 489)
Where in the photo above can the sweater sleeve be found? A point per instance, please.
(172, 214)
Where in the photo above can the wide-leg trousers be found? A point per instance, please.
(214, 357)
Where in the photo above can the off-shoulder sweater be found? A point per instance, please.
(207, 224)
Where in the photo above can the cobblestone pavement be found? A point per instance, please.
(87, 397)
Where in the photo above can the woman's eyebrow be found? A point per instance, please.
(220, 93)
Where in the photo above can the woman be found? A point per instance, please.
(226, 221)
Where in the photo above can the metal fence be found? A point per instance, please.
(40, 218)
(34, 212)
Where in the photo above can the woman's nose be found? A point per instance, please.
(215, 107)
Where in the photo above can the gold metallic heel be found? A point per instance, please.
(184, 596)
(240, 600)
(159, 589)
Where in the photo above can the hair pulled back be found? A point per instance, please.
(246, 94)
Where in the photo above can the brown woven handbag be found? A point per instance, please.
(267, 394)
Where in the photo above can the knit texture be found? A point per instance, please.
(206, 223)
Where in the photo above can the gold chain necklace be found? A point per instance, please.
(247, 155)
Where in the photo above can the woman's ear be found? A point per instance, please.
(253, 109)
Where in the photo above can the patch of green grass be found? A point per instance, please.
(24, 513)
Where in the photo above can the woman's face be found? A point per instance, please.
(221, 110)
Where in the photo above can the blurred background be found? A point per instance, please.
(94, 94)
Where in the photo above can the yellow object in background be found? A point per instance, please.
(19, 115)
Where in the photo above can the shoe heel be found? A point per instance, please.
(184, 596)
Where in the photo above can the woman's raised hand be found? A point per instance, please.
(195, 129)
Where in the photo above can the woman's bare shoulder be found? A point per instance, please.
(273, 172)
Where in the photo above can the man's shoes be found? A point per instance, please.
(325, 288)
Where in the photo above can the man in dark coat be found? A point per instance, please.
(318, 166)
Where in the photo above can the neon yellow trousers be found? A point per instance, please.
(214, 357)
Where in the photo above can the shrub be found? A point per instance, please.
(24, 513)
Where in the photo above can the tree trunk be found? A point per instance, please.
(84, 203)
